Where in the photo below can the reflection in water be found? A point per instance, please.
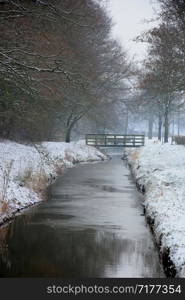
(4, 247)
(78, 253)
(136, 261)
(89, 228)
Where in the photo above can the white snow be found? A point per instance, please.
(161, 169)
(25, 171)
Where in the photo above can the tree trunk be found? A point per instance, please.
(178, 123)
(173, 126)
(159, 127)
(126, 122)
(150, 126)
(68, 135)
(166, 124)
(70, 125)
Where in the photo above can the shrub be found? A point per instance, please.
(5, 181)
(178, 139)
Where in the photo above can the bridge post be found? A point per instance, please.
(95, 140)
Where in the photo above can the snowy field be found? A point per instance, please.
(160, 170)
(26, 171)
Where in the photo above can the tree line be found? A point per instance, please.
(58, 64)
(161, 81)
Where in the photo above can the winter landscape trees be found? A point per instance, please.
(61, 70)
(162, 75)
(58, 64)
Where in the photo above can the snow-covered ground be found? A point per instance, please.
(159, 170)
(26, 171)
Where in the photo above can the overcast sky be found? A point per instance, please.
(128, 16)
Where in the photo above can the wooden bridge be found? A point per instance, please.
(114, 140)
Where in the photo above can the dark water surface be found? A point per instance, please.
(92, 226)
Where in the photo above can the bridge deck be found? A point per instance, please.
(115, 140)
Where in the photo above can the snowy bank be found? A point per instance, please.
(160, 174)
(26, 171)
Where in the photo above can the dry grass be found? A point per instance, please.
(38, 183)
(134, 155)
(26, 177)
(4, 205)
(34, 181)
(179, 139)
(69, 157)
(59, 169)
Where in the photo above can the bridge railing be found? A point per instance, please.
(115, 140)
